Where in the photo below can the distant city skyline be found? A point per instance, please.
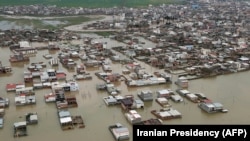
(90, 3)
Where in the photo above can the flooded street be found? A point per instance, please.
(231, 90)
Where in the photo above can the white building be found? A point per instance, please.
(24, 44)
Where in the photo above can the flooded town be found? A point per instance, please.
(159, 65)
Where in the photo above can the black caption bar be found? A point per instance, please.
(204, 132)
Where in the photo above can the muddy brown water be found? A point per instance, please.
(231, 90)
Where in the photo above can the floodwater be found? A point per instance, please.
(53, 22)
(7, 25)
(231, 90)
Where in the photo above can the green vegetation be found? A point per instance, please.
(104, 33)
(89, 3)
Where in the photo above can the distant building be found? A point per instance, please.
(24, 44)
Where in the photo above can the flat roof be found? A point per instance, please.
(121, 131)
(24, 44)
(33, 117)
(164, 91)
(184, 91)
(1, 121)
(65, 120)
(64, 114)
(21, 123)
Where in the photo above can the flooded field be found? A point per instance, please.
(6, 25)
(54, 23)
(9, 22)
(231, 90)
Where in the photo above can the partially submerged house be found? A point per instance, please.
(119, 132)
(25, 96)
(145, 95)
(182, 82)
(4, 102)
(163, 102)
(5, 69)
(112, 89)
(182, 92)
(65, 119)
(31, 118)
(176, 98)
(165, 114)
(18, 57)
(133, 116)
(192, 97)
(129, 103)
(21, 100)
(164, 93)
(20, 129)
(212, 107)
(110, 100)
